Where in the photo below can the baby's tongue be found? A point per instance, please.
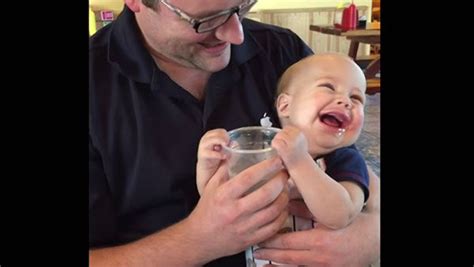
(331, 121)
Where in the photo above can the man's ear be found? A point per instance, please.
(283, 102)
(134, 5)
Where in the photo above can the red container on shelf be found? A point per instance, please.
(350, 17)
(106, 15)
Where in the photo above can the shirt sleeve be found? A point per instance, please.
(347, 164)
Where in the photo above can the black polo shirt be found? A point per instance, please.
(144, 129)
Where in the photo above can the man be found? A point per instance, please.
(159, 79)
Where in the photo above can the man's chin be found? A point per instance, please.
(216, 63)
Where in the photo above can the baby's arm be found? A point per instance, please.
(332, 203)
(210, 156)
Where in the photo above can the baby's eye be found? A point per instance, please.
(327, 85)
(358, 98)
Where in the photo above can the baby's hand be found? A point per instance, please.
(210, 155)
(291, 144)
(210, 147)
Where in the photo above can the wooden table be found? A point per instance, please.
(370, 35)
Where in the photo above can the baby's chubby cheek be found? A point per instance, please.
(357, 121)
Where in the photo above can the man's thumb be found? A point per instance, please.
(221, 176)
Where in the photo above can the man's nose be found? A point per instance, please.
(231, 31)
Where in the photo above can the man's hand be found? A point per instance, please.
(226, 221)
(355, 245)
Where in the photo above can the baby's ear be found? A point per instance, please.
(282, 104)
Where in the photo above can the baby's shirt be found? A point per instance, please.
(348, 164)
(343, 164)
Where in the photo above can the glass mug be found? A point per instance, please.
(249, 146)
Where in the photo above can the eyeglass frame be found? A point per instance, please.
(195, 23)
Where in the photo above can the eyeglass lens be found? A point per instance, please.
(217, 21)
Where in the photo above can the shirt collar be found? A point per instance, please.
(126, 49)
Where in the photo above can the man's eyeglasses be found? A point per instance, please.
(211, 22)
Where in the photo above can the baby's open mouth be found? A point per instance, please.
(335, 119)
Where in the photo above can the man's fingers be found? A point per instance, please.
(298, 257)
(219, 177)
(269, 229)
(242, 182)
(267, 193)
(293, 240)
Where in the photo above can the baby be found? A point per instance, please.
(320, 105)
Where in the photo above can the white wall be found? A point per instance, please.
(284, 4)
(117, 5)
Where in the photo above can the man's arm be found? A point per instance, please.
(358, 244)
(373, 202)
(224, 222)
(173, 246)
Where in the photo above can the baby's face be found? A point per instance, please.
(326, 101)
